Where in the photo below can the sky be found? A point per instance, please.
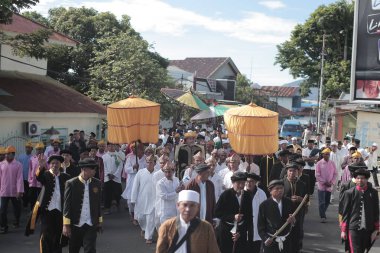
(245, 30)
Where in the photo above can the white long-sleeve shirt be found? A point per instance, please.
(218, 185)
(128, 169)
(166, 196)
(143, 192)
(113, 164)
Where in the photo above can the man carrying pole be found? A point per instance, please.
(273, 214)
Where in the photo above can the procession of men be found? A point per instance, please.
(191, 192)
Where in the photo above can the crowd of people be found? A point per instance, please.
(193, 189)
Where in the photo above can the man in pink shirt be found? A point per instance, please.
(11, 188)
(34, 185)
(326, 174)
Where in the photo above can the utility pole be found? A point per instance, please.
(321, 85)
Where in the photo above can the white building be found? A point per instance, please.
(31, 102)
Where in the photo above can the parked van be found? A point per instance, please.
(291, 127)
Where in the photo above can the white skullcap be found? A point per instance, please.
(294, 138)
(53, 137)
(283, 142)
(225, 141)
(374, 144)
(334, 143)
(188, 195)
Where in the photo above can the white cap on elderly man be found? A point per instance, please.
(334, 143)
(188, 195)
(294, 138)
(374, 144)
(283, 142)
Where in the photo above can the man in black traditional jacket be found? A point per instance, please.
(234, 209)
(360, 213)
(184, 153)
(49, 204)
(295, 190)
(344, 187)
(277, 167)
(273, 213)
(82, 217)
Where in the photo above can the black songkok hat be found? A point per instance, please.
(88, 163)
(274, 183)
(361, 172)
(55, 157)
(201, 167)
(254, 176)
(239, 176)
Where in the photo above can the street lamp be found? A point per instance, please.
(321, 84)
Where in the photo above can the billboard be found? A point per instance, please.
(365, 69)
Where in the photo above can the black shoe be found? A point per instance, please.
(16, 225)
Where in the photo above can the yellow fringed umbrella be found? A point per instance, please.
(133, 119)
(252, 130)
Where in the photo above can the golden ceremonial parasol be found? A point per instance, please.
(133, 119)
(252, 130)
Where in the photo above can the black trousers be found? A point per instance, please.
(4, 210)
(254, 246)
(311, 174)
(83, 236)
(25, 197)
(51, 231)
(359, 240)
(33, 196)
(112, 191)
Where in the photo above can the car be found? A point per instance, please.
(291, 127)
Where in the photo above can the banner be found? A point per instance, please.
(365, 69)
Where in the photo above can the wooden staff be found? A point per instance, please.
(287, 223)
(235, 228)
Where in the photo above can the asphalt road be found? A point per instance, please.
(121, 236)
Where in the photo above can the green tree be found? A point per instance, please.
(35, 16)
(301, 54)
(243, 89)
(7, 7)
(123, 65)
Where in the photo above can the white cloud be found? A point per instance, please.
(160, 17)
(273, 4)
(178, 33)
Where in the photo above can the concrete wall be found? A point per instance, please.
(368, 128)
(9, 65)
(286, 102)
(13, 123)
(223, 72)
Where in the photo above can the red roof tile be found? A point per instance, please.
(34, 93)
(203, 66)
(21, 24)
(173, 93)
(283, 112)
(281, 91)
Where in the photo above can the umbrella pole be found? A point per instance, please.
(137, 161)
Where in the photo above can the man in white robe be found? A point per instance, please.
(157, 176)
(215, 178)
(131, 168)
(249, 166)
(222, 163)
(143, 198)
(113, 167)
(233, 166)
(190, 173)
(336, 157)
(167, 190)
